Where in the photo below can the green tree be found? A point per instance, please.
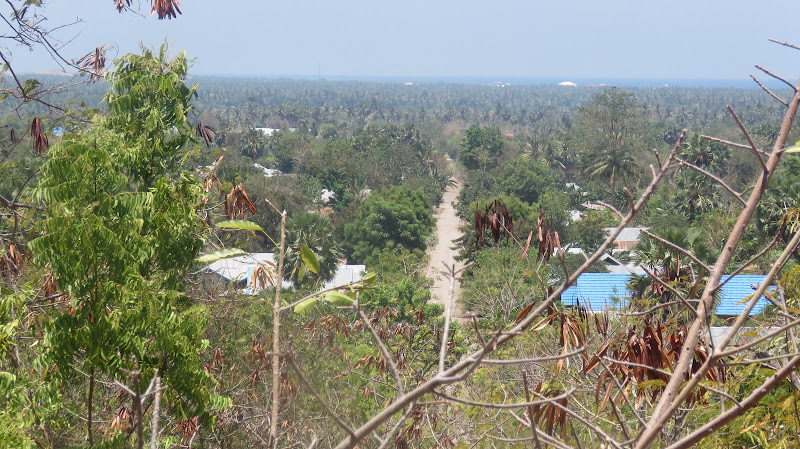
(608, 134)
(481, 148)
(527, 179)
(120, 235)
(395, 217)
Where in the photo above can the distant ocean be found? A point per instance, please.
(743, 83)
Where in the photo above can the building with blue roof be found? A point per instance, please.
(598, 292)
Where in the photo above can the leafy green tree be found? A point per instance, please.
(527, 179)
(120, 235)
(481, 148)
(149, 104)
(395, 217)
(608, 134)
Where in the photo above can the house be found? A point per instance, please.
(239, 270)
(598, 292)
(627, 238)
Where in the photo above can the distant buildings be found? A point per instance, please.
(240, 270)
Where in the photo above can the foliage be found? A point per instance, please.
(149, 105)
(120, 236)
(528, 179)
(395, 217)
(315, 232)
(482, 147)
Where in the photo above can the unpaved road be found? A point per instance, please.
(442, 256)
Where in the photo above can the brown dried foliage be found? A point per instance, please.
(237, 202)
(495, 219)
(205, 132)
(548, 239)
(40, 143)
(166, 8)
(548, 416)
(93, 63)
(644, 355)
(11, 262)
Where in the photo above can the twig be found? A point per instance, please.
(666, 285)
(769, 92)
(322, 403)
(585, 422)
(386, 355)
(729, 143)
(493, 405)
(469, 363)
(388, 437)
(546, 358)
(791, 86)
(753, 147)
(744, 266)
(716, 179)
(622, 390)
(530, 410)
(276, 339)
(785, 44)
(677, 248)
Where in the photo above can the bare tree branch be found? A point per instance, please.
(716, 179)
(791, 86)
(385, 351)
(322, 403)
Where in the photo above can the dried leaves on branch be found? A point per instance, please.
(495, 219)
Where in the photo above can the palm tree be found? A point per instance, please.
(316, 232)
(613, 161)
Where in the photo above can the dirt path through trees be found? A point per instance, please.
(448, 228)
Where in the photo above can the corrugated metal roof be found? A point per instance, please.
(598, 291)
(241, 268)
(737, 289)
(609, 291)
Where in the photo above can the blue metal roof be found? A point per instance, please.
(598, 291)
(609, 291)
(737, 289)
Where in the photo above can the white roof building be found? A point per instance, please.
(240, 270)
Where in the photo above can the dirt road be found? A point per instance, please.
(448, 228)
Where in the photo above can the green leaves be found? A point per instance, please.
(239, 224)
(339, 299)
(309, 259)
(333, 297)
(221, 254)
(306, 305)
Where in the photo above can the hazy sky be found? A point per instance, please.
(464, 38)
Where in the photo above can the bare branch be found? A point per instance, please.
(716, 179)
(729, 143)
(585, 422)
(753, 147)
(579, 351)
(769, 92)
(388, 437)
(785, 44)
(677, 248)
(530, 410)
(386, 355)
(469, 363)
(754, 398)
(677, 389)
(493, 405)
(791, 86)
(750, 262)
(322, 403)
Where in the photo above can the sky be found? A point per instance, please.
(679, 39)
